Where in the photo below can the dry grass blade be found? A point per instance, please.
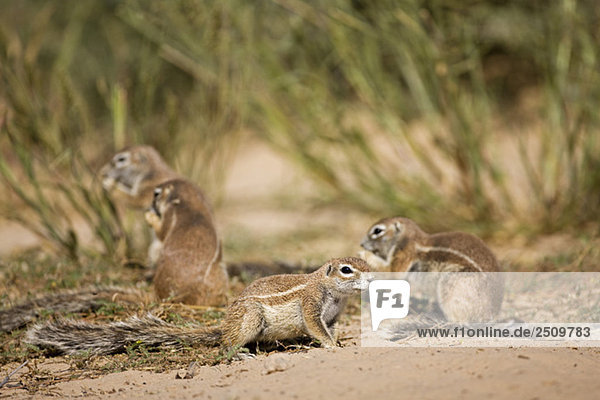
(5, 380)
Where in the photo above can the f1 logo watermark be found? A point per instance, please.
(389, 300)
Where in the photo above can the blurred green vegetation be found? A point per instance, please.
(478, 115)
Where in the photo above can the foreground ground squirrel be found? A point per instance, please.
(400, 245)
(189, 268)
(273, 308)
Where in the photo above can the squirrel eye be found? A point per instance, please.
(346, 270)
(121, 159)
(156, 192)
(377, 231)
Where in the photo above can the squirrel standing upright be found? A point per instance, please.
(189, 268)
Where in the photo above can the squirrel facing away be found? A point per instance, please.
(400, 245)
(189, 268)
(273, 308)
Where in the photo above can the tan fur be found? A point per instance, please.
(272, 308)
(185, 250)
(402, 246)
(130, 178)
(133, 173)
(287, 306)
(189, 268)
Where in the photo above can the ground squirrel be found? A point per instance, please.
(130, 179)
(189, 268)
(185, 250)
(133, 173)
(401, 246)
(273, 308)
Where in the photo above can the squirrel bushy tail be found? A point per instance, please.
(67, 301)
(69, 336)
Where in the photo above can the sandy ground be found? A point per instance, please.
(348, 372)
(354, 372)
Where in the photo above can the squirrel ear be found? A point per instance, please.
(176, 201)
(398, 226)
(329, 269)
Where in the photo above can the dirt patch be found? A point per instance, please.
(15, 238)
(355, 372)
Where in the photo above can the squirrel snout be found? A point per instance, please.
(107, 180)
(363, 282)
(365, 244)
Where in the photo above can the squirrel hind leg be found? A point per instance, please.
(242, 326)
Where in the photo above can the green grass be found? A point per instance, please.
(78, 82)
(392, 107)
